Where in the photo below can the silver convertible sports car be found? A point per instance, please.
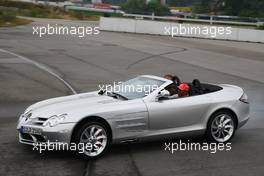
(141, 109)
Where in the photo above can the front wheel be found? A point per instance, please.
(221, 127)
(94, 138)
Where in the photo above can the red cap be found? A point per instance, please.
(184, 87)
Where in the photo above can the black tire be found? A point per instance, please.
(80, 132)
(211, 131)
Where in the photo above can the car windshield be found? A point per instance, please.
(138, 87)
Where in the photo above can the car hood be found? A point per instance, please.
(60, 105)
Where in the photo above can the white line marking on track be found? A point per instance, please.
(42, 67)
(12, 61)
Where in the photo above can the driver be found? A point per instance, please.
(172, 88)
(168, 76)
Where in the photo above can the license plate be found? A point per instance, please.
(30, 130)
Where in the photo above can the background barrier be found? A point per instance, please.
(158, 28)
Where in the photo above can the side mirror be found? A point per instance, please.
(162, 94)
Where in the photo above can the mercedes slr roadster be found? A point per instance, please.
(105, 117)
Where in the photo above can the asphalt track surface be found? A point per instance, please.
(34, 69)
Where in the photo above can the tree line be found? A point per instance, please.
(246, 8)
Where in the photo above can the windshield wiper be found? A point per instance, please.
(112, 94)
(119, 95)
(101, 92)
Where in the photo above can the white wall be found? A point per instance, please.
(158, 28)
(148, 27)
(117, 24)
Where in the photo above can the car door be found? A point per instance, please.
(178, 112)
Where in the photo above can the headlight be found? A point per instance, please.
(55, 120)
(21, 117)
(26, 116)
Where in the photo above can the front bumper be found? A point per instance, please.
(60, 133)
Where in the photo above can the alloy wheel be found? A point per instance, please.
(96, 137)
(222, 128)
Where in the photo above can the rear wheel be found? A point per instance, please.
(221, 127)
(94, 137)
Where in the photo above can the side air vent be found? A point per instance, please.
(40, 120)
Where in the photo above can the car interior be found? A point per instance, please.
(196, 87)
